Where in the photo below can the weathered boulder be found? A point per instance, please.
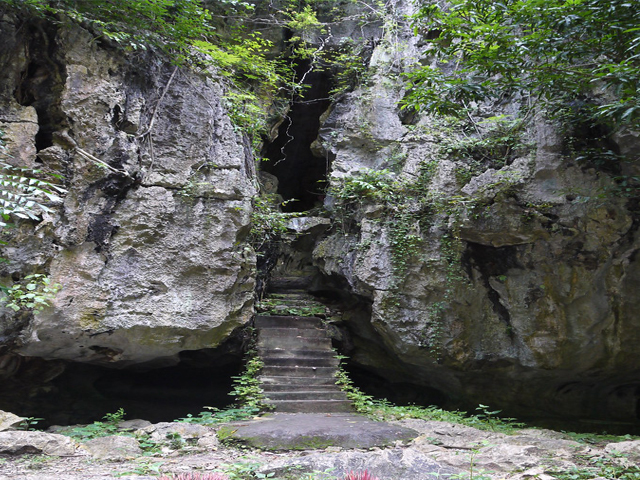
(113, 447)
(630, 449)
(20, 442)
(407, 464)
(165, 431)
(9, 421)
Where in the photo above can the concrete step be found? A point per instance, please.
(278, 370)
(313, 362)
(269, 380)
(311, 406)
(287, 321)
(306, 395)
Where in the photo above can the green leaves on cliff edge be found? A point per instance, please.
(566, 53)
(169, 25)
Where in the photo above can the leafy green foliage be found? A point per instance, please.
(171, 26)
(22, 194)
(596, 466)
(382, 409)
(268, 222)
(274, 306)
(109, 426)
(559, 51)
(214, 415)
(246, 387)
(29, 423)
(34, 294)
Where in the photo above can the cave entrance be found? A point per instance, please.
(300, 169)
(67, 393)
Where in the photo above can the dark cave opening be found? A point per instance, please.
(83, 393)
(399, 393)
(300, 170)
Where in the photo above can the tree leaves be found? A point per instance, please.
(556, 51)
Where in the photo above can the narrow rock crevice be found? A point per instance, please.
(43, 80)
(492, 262)
(300, 168)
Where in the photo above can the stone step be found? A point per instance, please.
(312, 362)
(306, 395)
(279, 370)
(288, 321)
(287, 387)
(293, 343)
(270, 380)
(297, 353)
(293, 310)
(298, 295)
(292, 332)
(311, 406)
(277, 284)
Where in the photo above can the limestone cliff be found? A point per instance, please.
(149, 249)
(523, 289)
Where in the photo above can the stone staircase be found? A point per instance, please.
(300, 367)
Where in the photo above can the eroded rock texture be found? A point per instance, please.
(148, 250)
(523, 292)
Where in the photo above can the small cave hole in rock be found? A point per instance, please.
(42, 83)
(301, 169)
(68, 393)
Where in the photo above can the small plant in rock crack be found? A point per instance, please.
(34, 293)
(494, 422)
(29, 423)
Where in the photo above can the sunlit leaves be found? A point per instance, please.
(555, 50)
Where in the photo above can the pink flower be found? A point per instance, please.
(195, 476)
(359, 476)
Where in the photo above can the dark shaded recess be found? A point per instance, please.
(67, 393)
(491, 262)
(400, 393)
(42, 82)
(590, 142)
(301, 175)
(101, 228)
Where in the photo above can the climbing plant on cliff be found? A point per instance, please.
(575, 56)
(22, 194)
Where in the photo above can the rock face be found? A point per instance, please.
(509, 279)
(523, 289)
(149, 249)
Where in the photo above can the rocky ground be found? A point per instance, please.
(441, 450)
